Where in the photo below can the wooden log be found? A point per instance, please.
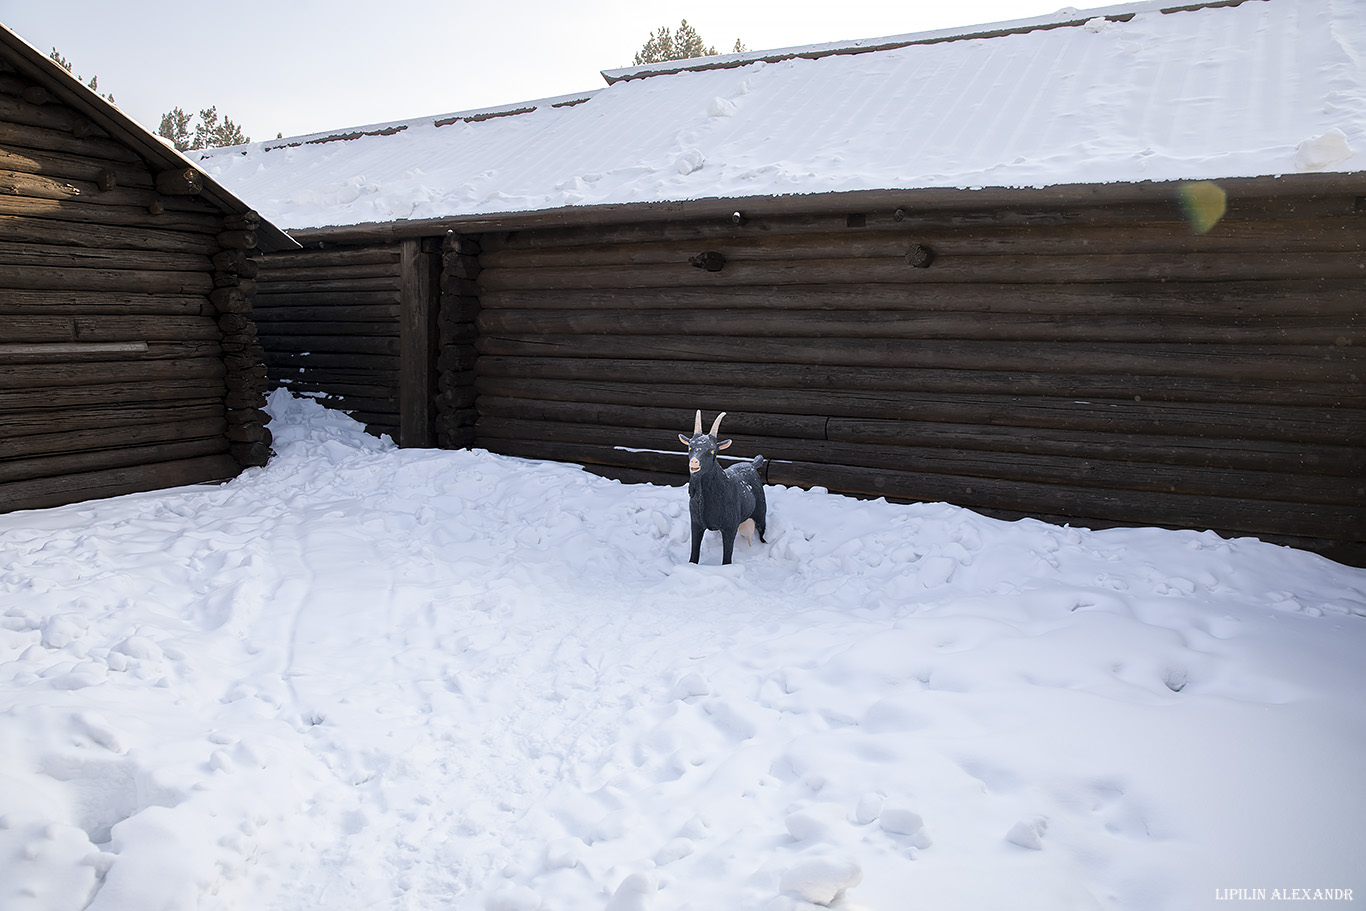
(57, 278)
(61, 257)
(180, 182)
(572, 371)
(1004, 464)
(67, 373)
(951, 210)
(276, 273)
(1292, 363)
(35, 230)
(105, 327)
(121, 393)
(1200, 452)
(291, 319)
(417, 345)
(266, 300)
(64, 166)
(1045, 269)
(1231, 514)
(88, 210)
(884, 324)
(96, 303)
(284, 344)
(344, 285)
(332, 257)
(1221, 300)
(275, 328)
(43, 492)
(1342, 234)
(1293, 425)
(74, 442)
(281, 362)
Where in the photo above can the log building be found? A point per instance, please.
(128, 355)
(1182, 353)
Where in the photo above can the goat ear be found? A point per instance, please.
(684, 439)
(723, 444)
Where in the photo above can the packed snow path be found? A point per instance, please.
(371, 678)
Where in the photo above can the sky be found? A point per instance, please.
(300, 66)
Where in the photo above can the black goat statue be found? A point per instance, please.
(730, 501)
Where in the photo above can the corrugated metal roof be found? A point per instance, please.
(1144, 91)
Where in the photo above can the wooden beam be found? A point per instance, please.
(417, 343)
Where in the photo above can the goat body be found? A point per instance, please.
(730, 501)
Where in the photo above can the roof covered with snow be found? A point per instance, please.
(1138, 92)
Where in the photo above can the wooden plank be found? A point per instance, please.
(1291, 363)
(386, 314)
(418, 341)
(44, 492)
(884, 324)
(1308, 297)
(725, 376)
(18, 137)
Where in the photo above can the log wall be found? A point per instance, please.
(1101, 364)
(355, 326)
(128, 357)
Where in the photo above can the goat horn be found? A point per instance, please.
(715, 427)
(697, 424)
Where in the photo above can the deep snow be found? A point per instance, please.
(365, 677)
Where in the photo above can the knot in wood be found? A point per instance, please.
(920, 256)
(710, 260)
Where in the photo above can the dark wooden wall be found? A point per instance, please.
(1099, 363)
(128, 359)
(336, 321)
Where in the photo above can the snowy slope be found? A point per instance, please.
(1264, 88)
(371, 678)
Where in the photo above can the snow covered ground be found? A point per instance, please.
(366, 678)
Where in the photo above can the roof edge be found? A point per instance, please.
(1068, 17)
(34, 64)
(1351, 183)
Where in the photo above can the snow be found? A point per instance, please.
(365, 677)
(1121, 94)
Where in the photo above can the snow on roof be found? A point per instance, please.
(1139, 92)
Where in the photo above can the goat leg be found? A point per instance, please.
(727, 544)
(697, 532)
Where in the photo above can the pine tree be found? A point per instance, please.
(683, 43)
(175, 127)
(94, 82)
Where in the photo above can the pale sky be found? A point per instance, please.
(301, 66)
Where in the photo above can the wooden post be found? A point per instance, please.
(417, 346)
